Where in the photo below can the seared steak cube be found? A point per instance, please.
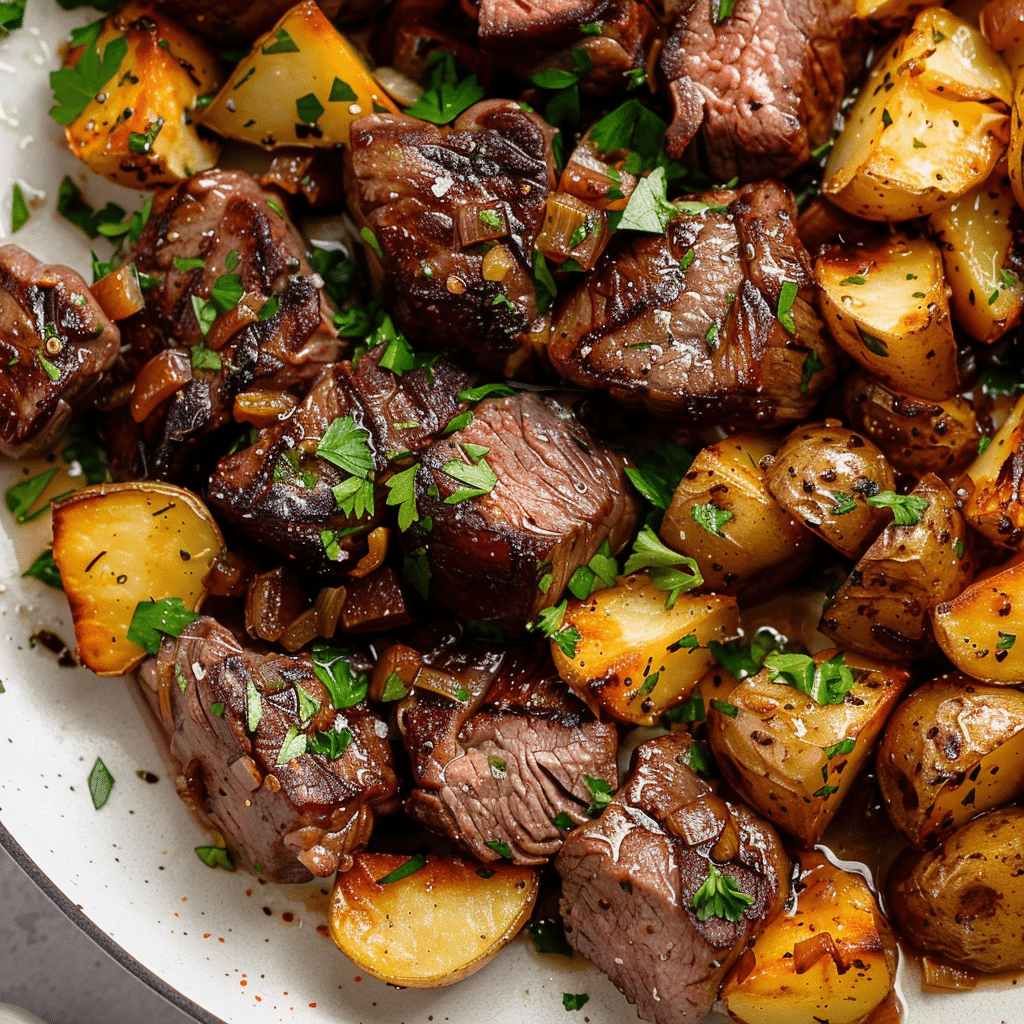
(712, 322)
(291, 781)
(630, 881)
(55, 345)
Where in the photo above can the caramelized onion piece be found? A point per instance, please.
(164, 374)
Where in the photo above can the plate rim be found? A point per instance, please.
(88, 928)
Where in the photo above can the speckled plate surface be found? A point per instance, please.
(224, 947)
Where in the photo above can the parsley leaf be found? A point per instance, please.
(719, 896)
(742, 660)
(345, 686)
(710, 517)
(19, 207)
(548, 934)
(346, 446)
(283, 43)
(658, 472)
(215, 857)
(787, 296)
(906, 508)
(402, 492)
(825, 683)
(415, 863)
(631, 126)
(574, 1000)
(600, 795)
(74, 87)
(845, 504)
(11, 16)
(550, 621)
(44, 569)
(72, 207)
(168, 616)
(24, 494)
(648, 208)
(309, 109)
(101, 782)
(446, 97)
(331, 744)
(600, 572)
(812, 365)
(293, 746)
(479, 479)
(669, 570)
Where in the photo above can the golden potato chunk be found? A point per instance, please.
(991, 486)
(791, 757)
(882, 607)
(118, 545)
(885, 303)
(427, 921)
(831, 958)
(953, 749)
(303, 84)
(963, 900)
(823, 475)
(138, 129)
(977, 630)
(929, 124)
(723, 517)
(634, 657)
(985, 275)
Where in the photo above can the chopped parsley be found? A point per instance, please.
(345, 686)
(19, 207)
(669, 571)
(906, 508)
(153, 619)
(215, 857)
(826, 682)
(600, 795)
(415, 863)
(142, 142)
(1006, 641)
(719, 896)
(844, 503)
(402, 492)
(548, 934)
(787, 296)
(658, 472)
(722, 9)
(648, 209)
(331, 744)
(742, 660)
(600, 572)
(550, 622)
(75, 87)
(293, 746)
(44, 569)
(309, 109)
(479, 479)
(282, 43)
(574, 1000)
(346, 446)
(500, 848)
(445, 96)
(710, 517)
(101, 782)
(23, 496)
(812, 365)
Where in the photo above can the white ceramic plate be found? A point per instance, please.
(222, 946)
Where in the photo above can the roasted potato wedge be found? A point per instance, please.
(434, 926)
(723, 517)
(887, 13)
(100, 535)
(318, 81)
(138, 130)
(823, 475)
(793, 759)
(929, 124)
(991, 486)
(986, 277)
(832, 957)
(881, 609)
(885, 303)
(635, 657)
(963, 900)
(953, 749)
(916, 435)
(977, 630)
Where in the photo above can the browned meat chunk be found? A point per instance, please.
(233, 308)
(518, 500)
(289, 780)
(757, 91)
(279, 491)
(235, 21)
(455, 214)
(685, 326)
(515, 21)
(502, 769)
(629, 880)
(55, 344)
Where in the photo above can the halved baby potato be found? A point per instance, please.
(432, 926)
(832, 957)
(635, 658)
(118, 545)
(138, 129)
(929, 124)
(886, 303)
(978, 629)
(953, 749)
(303, 84)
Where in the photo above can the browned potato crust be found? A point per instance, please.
(792, 759)
(881, 609)
(819, 471)
(963, 900)
(952, 749)
(917, 435)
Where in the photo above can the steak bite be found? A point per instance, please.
(247, 728)
(685, 324)
(232, 307)
(630, 879)
(455, 214)
(280, 491)
(55, 346)
(517, 501)
(756, 91)
(500, 767)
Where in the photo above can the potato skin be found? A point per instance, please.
(775, 750)
(964, 900)
(951, 750)
(917, 435)
(882, 607)
(816, 463)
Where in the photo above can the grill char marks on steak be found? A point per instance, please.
(222, 218)
(500, 766)
(701, 342)
(760, 89)
(278, 490)
(295, 820)
(46, 313)
(434, 199)
(559, 494)
(628, 880)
